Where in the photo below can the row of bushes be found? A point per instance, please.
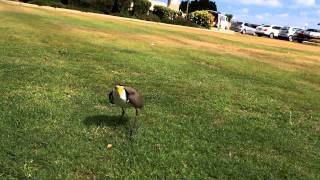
(194, 19)
(140, 10)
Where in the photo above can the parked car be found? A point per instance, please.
(236, 26)
(287, 32)
(247, 28)
(299, 36)
(271, 31)
(312, 33)
(306, 35)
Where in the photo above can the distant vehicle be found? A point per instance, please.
(299, 36)
(306, 35)
(271, 31)
(236, 26)
(247, 28)
(221, 21)
(287, 32)
(313, 33)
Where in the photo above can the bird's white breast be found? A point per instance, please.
(120, 99)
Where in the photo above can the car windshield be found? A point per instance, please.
(285, 28)
(266, 25)
(297, 29)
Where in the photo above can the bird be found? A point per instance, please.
(126, 97)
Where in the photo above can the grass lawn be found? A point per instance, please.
(217, 105)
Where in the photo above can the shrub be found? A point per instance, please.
(141, 7)
(165, 13)
(104, 6)
(150, 17)
(53, 3)
(180, 21)
(122, 6)
(202, 18)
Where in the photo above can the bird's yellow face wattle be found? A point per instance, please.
(120, 89)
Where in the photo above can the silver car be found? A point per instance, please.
(287, 32)
(247, 28)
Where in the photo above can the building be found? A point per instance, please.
(172, 4)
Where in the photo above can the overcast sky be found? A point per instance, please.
(279, 12)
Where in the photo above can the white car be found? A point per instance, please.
(247, 28)
(271, 31)
(313, 33)
(287, 32)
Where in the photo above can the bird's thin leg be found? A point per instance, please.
(123, 112)
(135, 119)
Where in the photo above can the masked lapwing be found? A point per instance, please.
(126, 97)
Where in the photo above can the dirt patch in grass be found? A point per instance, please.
(285, 61)
(90, 32)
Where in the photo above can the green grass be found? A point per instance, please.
(209, 113)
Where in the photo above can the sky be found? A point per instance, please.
(298, 13)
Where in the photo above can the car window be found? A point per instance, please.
(237, 23)
(266, 26)
(296, 29)
(276, 27)
(254, 25)
(246, 24)
(285, 28)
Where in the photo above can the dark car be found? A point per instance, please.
(306, 35)
(236, 26)
(299, 36)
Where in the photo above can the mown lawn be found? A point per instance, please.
(217, 105)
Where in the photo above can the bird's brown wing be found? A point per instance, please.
(135, 99)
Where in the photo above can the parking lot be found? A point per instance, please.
(310, 36)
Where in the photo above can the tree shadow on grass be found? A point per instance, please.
(106, 120)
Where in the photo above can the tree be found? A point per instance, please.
(121, 6)
(229, 16)
(197, 5)
(141, 7)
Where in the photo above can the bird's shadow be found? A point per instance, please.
(106, 120)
